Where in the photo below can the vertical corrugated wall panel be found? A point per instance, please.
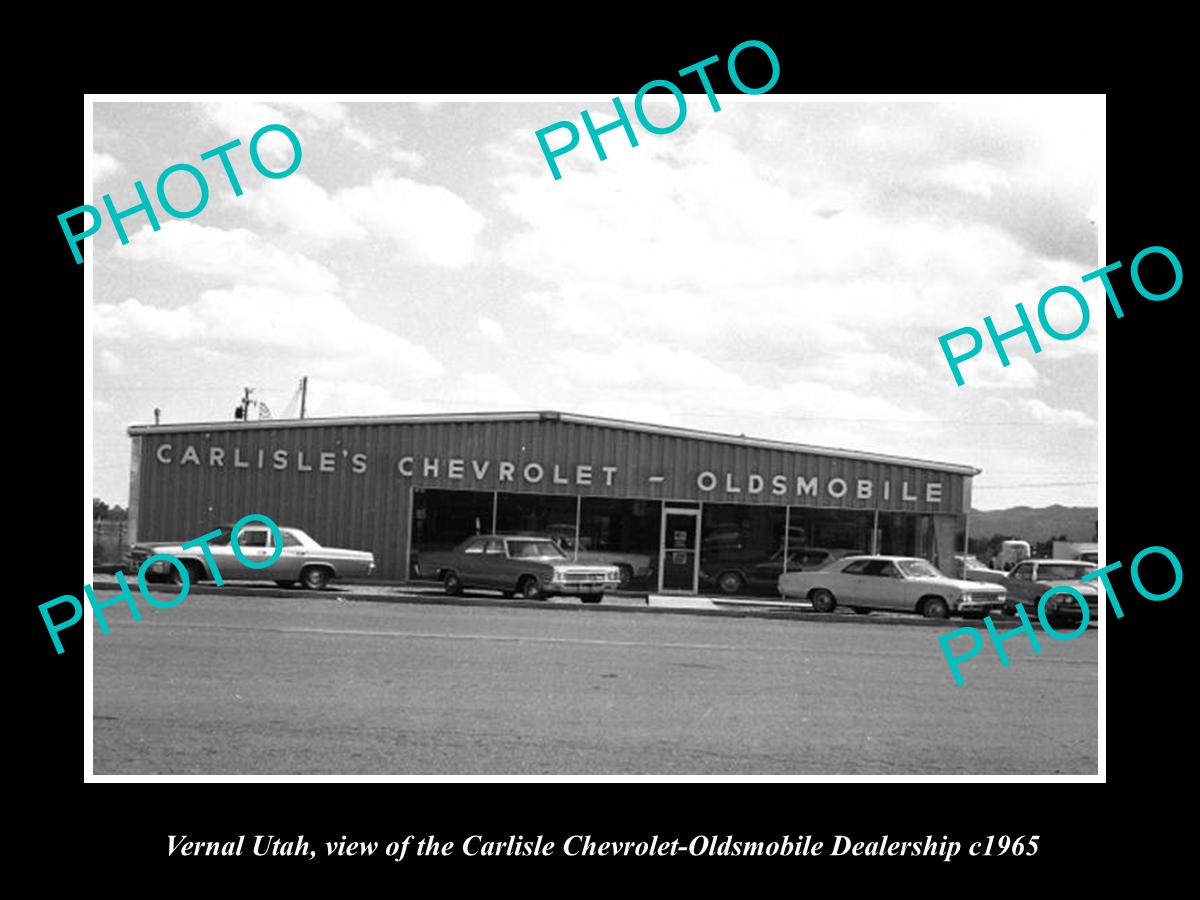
(371, 511)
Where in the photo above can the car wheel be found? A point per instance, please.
(935, 608)
(530, 588)
(451, 583)
(860, 610)
(626, 576)
(286, 584)
(315, 578)
(195, 573)
(823, 601)
(592, 598)
(730, 582)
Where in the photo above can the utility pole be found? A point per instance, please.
(243, 411)
(303, 393)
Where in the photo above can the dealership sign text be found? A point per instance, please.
(506, 471)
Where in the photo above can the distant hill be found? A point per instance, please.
(1078, 523)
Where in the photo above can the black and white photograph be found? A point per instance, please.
(706, 433)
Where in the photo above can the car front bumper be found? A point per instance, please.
(580, 587)
(983, 604)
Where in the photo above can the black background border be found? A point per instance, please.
(1147, 492)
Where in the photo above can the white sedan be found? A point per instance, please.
(300, 559)
(903, 583)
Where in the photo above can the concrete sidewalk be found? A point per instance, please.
(612, 602)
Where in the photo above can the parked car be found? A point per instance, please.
(531, 566)
(629, 565)
(1011, 553)
(302, 559)
(735, 574)
(903, 583)
(1090, 556)
(722, 539)
(1029, 580)
(970, 568)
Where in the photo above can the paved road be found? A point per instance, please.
(230, 684)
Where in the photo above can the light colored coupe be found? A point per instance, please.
(903, 583)
(302, 559)
(1029, 580)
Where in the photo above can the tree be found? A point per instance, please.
(101, 510)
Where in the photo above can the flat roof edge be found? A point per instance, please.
(551, 416)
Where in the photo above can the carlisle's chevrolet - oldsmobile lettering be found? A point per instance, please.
(202, 185)
(1026, 327)
(623, 117)
(781, 485)
(157, 563)
(1051, 605)
(221, 457)
(538, 472)
(506, 470)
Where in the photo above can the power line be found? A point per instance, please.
(997, 487)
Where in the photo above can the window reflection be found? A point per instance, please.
(741, 548)
(625, 534)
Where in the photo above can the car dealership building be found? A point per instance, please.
(692, 505)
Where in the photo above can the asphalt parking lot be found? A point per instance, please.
(229, 683)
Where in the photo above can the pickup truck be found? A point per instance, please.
(529, 566)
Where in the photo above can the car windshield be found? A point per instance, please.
(1062, 572)
(972, 562)
(534, 550)
(918, 568)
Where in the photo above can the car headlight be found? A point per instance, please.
(614, 574)
(559, 575)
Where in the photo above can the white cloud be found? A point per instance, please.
(491, 330)
(241, 120)
(301, 205)
(1044, 413)
(406, 157)
(356, 135)
(972, 177)
(319, 328)
(104, 165)
(228, 255)
(268, 302)
(430, 224)
(109, 362)
(320, 112)
(985, 370)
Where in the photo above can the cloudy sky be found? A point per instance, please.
(777, 269)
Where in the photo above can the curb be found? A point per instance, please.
(691, 606)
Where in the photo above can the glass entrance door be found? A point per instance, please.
(679, 560)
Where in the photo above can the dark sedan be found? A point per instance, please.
(530, 566)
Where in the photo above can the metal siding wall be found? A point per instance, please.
(370, 511)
